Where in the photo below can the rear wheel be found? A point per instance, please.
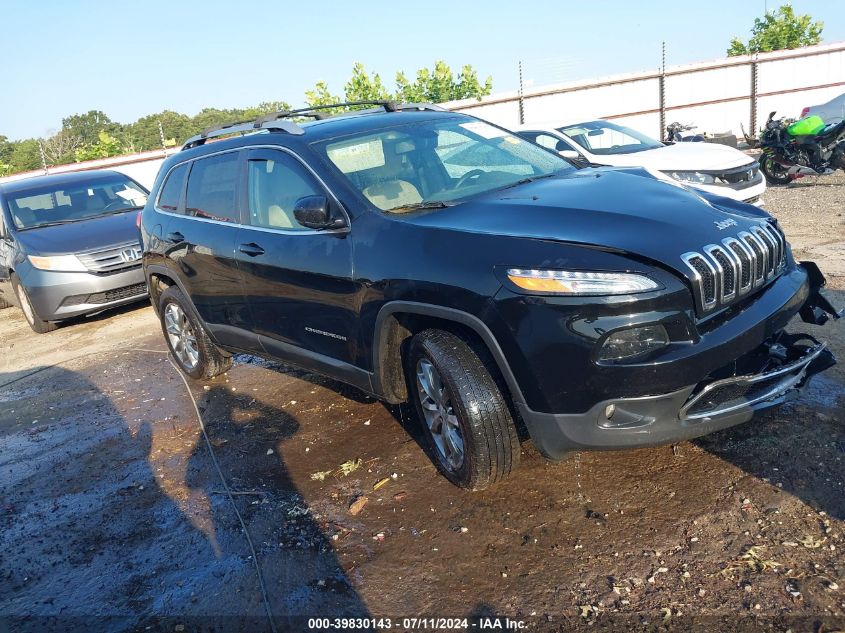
(189, 343)
(37, 324)
(775, 173)
(466, 420)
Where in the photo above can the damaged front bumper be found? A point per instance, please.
(766, 377)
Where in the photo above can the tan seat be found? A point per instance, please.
(392, 193)
(278, 218)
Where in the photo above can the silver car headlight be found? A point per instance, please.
(693, 177)
(63, 263)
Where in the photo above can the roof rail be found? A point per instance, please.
(273, 122)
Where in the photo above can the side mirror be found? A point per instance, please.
(316, 212)
(570, 154)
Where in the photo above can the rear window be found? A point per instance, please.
(81, 200)
(171, 192)
(212, 188)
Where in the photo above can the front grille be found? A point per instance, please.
(107, 296)
(723, 272)
(738, 177)
(112, 259)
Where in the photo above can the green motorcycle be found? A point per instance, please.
(806, 147)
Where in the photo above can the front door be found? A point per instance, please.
(297, 281)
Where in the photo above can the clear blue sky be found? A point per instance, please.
(129, 59)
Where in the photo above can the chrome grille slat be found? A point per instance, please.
(110, 259)
(723, 272)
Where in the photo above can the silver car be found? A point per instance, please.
(70, 245)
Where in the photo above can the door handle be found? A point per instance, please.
(252, 249)
(176, 237)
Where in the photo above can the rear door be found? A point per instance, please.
(200, 237)
(297, 281)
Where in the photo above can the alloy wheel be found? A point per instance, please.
(440, 415)
(180, 333)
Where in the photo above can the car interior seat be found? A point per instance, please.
(393, 189)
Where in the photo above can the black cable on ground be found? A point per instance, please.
(208, 445)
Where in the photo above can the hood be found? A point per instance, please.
(85, 235)
(680, 156)
(630, 212)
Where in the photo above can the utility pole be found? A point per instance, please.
(662, 88)
(521, 98)
(161, 135)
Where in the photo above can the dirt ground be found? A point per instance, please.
(113, 516)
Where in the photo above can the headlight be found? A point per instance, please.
(693, 177)
(567, 282)
(65, 263)
(634, 341)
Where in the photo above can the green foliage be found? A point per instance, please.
(779, 30)
(106, 146)
(365, 87)
(439, 85)
(91, 135)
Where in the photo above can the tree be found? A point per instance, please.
(320, 96)
(439, 85)
(26, 156)
(87, 127)
(779, 30)
(365, 87)
(105, 146)
(60, 148)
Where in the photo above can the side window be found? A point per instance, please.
(212, 188)
(171, 191)
(275, 184)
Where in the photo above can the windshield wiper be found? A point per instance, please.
(525, 181)
(43, 224)
(425, 204)
(121, 210)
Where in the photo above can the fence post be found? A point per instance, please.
(521, 99)
(662, 88)
(753, 120)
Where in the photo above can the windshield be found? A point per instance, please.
(604, 137)
(81, 200)
(437, 163)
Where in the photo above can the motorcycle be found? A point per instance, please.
(679, 133)
(794, 149)
(675, 132)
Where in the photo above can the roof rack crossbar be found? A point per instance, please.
(274, 122)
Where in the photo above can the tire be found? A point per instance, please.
(38, 325)
(774, 173)
(190, 346)
(479, 445)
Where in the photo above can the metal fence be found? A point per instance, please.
(728, 94)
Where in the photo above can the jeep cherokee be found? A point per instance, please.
(425, 255)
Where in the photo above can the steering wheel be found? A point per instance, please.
(114, 206)
(615, 146)
(472, 173)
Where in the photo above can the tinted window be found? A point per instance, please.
(80, 200)
(171, 192)
(604, 137)
(275, 184)
(212, 187)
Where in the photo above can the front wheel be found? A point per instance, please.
(189, 343)
(775, 173)
(38, 325)
(466, 420)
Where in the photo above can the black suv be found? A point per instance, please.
(425, 255)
